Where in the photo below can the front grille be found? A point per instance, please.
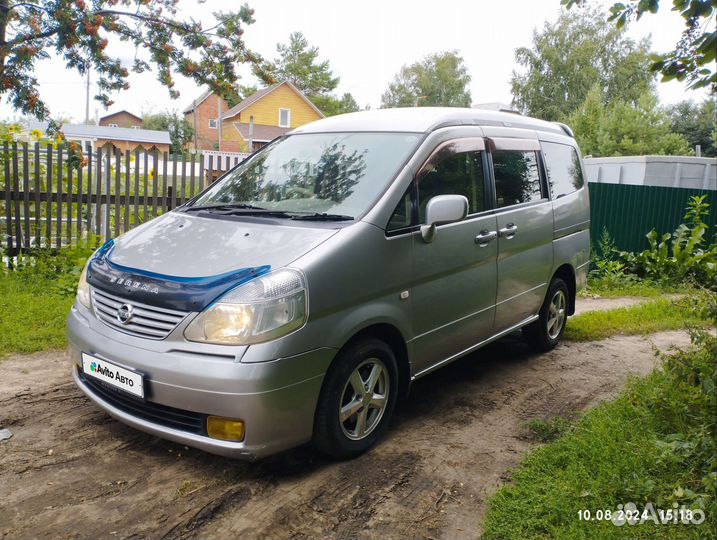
(163, 415)
(147, 321)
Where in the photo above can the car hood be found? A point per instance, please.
(191, 246)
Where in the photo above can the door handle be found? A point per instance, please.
(485, 237)
(508, 231)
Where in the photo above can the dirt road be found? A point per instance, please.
(71, 471)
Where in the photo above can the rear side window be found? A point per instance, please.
(456, 174)
(563, 165)
(517, 179)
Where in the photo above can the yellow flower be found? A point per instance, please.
(152, 174)
(36, 134)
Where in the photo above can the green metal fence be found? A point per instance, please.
(629, 212)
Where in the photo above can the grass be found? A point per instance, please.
(656, 443)
(31, 319)
(651, 316)
(35, 301)
(627, 286)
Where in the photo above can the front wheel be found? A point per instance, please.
(357, 399)
(545, 333)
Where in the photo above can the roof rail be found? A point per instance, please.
(566, 129)
(511, 111)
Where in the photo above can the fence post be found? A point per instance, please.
(16, 188)
(8, 202)
(38, 190)
(58, 224)
(26, 190)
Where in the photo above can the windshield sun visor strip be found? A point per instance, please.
(163, 290)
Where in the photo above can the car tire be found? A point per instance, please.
(357, 399)
(545, 333)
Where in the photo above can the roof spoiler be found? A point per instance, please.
(566, 129)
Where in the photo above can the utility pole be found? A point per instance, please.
(87, 98)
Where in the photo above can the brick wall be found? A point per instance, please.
(207, 138)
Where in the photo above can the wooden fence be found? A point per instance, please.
(48, 202)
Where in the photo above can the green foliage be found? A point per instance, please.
(331, 106)
(697, 123)
(604, 264)
(439, 79)
(693, 57)
(180, 130)
(625, 128)
(35, 298)
(549, 430)
(573, 55)
(79, 31)
(681, 255)
(298, 63)
(657, 442)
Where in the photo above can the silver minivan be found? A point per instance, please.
(297, 298)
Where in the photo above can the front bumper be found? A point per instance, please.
(276, 399)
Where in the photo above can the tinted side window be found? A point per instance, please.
(564, 172)
(402, 216)
(456, 174)
(516, 177)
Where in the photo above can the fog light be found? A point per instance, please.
(225, 429)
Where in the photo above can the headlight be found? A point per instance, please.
(263, 309)
(83, 289)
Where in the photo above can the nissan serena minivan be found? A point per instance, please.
(298, 297)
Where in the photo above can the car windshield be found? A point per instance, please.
(322, 174)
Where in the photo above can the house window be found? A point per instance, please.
(212, 123)
(112, 125)
(284, 117)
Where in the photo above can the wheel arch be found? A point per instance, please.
(393, 337)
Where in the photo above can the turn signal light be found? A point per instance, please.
(225, 429)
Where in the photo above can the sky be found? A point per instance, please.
(366, 43)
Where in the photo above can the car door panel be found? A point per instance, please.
(454, 290)
(525, 230)
(454, 276)
(524, 262)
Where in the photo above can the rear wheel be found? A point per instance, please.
(357, 399)
(545, 333)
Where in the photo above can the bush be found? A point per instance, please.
(680, 256)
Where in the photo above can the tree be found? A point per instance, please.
(439, 79)
(180, 130)
(621, 128)
(568, 57)
(79, 32)
(331, 106)
(696, 122)
(298, 63)
(693, 58)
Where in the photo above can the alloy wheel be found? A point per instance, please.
(364, 399)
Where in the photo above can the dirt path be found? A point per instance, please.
(71, 471)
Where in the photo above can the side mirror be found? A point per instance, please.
(440, 210)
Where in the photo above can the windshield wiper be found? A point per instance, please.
(317, 216)
(226, 206)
